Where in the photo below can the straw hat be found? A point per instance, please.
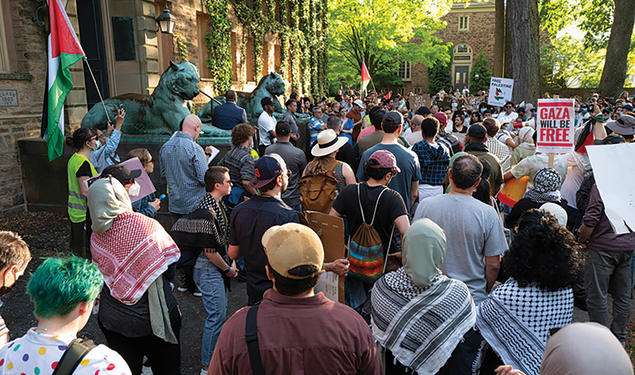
(327, 142)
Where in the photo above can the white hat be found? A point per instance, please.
(359, 103)
(557, 211)
(327, 142)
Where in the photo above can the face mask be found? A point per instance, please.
(455, 105)
(134, 190)
(97, 145)
(482, 110)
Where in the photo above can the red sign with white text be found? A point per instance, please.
(555, 126)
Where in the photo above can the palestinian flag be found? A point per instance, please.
(585, 138)
(365, 77)
(64, 50)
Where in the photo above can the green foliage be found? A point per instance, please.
(218, 44)
(181, 46)
(381, 33)
(440, 74)
(480, 68)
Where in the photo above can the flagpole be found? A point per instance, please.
(97, 87)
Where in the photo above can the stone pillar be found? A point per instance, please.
(147, 45)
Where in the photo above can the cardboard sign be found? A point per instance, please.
(500, 91)
(555, 126)
(144, 181)
(616, 186)
(330, 229)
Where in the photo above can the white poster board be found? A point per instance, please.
(500, 91)
(329, 285)
(555, 126)
(611, 168)
(144, 181)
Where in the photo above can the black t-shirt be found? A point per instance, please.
(347, 155)
(84, 170)
(390, 207)
(249, 221)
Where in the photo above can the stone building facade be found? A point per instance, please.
(127, 54)
(470, 29)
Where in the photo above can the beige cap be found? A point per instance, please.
(291, 245)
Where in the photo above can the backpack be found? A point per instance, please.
(318, 190)
(365, 250)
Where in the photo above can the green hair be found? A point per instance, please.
(60, 284)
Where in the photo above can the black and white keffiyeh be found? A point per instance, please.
(546, 186)
(516, 321)
(420, 326)
(205, 227)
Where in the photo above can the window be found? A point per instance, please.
(463, 48)
(405, 68)
(202, 23)
(464, 23)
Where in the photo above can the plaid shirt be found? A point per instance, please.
(240, 164)
(433, 161)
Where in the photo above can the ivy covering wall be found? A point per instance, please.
(301, 26)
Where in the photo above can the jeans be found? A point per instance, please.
(209, 280)
(604, 268)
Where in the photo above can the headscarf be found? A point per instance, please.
(131, 250)
(546, 186)
(423, 251)
(585, 349)
(525, 135)
(106, 198)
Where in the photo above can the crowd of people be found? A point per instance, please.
(446, 271)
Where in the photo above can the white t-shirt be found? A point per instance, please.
(473, 231)
(39, 353)
(266, 123)
(532, 164)
(504, 117)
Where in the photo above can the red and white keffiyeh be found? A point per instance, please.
(132, 254)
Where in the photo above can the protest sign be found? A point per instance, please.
(500, 91)
(330, 229)
(555, 126)
(617, 188)
(144, 181)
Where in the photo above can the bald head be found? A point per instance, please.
(416, 122)
(192, 126)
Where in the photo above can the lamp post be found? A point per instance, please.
(166, 21)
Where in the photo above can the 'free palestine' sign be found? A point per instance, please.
(555, 125)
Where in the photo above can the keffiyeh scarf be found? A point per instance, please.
(546, 186)
(132, 254)
(205, 227)
(516, 321)
(421, 327)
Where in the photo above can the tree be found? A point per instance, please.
(614, 72)
(522, 52)
(381, 33)
(440, 74)
(481, 73)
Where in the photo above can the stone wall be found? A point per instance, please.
(27, 75)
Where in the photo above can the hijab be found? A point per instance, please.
(525, 135)
(585, 349)
(423, 251)
(106, 198)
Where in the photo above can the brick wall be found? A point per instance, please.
(28, 76)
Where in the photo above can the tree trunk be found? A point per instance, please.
(499, 39)
(522, 49)
(614, 72)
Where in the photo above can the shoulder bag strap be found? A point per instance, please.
(359, 200)
(72, 356)
(251, 336)
(392, 232)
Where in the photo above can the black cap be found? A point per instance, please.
(283, 128)
(423, 111)
(392, 117)
(477, 131)
(121, 173)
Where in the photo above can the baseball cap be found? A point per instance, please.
(443, 119)
(392, 117)
(267, 168)
(477, 131)
(383, 159)
(359, 103)
(291, 245)
(283, 128)
(121, 173)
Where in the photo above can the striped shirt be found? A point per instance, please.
(183, 164)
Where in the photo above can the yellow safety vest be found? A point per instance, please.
(76, 203)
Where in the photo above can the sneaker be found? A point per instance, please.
(181, 289)
(197, 293)
(203, 371)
